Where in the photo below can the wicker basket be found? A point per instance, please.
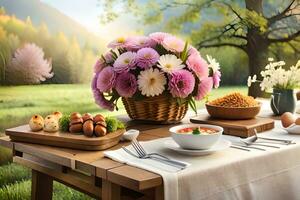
(159, 110)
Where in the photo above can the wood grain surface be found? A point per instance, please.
(240, 128)
(63, 139)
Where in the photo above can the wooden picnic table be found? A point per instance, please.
(88, 171)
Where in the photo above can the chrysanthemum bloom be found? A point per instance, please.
(197, 64)
(173, 44)
(151, 82)
(126, 84)
(170, 63)
(159, 37)
(138, 42)
(204, 87)
(125, 62)
(215, 68)
(146, 57)
(106, 79)
(181, 83)
(99, 97)
(28, 66)
(120, 42)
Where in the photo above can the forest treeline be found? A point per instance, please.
(72, 62)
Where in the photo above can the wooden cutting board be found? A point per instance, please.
(64, 139)
(240, 128)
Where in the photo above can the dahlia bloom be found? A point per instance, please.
(173, 44)
(197, 64)
(106, 79)
(126, 84)
(125, 62)
(28, 66)
(151, 82)
(193, 51)
(182, 83)
(146, 57)
(159, 37)
(138, 42)
(99, 97)
(204, 87)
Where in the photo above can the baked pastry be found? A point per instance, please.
(36, 123)
(75, 123)
(51, 123)
(88, 125)
(100, 125)
(57, 114)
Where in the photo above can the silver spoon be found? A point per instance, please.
(251, 141)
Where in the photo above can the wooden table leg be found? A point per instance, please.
(159, 193)
(41, 186)
(110, 191)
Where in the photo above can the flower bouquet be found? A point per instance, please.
(156, 76)
(281, 83)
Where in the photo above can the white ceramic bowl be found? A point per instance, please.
(293, 129)
(190, 141)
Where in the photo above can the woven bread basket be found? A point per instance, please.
(158, 110)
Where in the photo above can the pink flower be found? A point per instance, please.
(99, 65)
(216, 79)
(106, 79)
(138, 42)
(197, 64)
(99, 97)
(173, 44)
(204, 87)
(159, 37)
(126, 84)
(108, 56)
(193, 51)
(181, 83)
(120, 42)
(146, 57)
(125, 62)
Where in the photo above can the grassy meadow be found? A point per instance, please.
(19, 103)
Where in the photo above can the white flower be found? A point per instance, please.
(151, 82)
(169, 63)
(250, 81)
(270, 59)
(213, 64)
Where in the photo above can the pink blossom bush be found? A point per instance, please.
(28, 66)
(149, 66)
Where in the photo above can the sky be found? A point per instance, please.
(87, 12)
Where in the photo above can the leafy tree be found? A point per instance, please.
(258, 28)
(2, 10)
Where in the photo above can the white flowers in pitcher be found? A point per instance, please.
(276, 76)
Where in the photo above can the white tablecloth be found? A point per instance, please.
(230, 174)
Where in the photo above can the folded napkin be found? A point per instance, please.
(168, 173)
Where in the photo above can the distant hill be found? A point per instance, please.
(56, 21)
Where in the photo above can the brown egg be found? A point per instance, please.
(287, 119)
(297, 122)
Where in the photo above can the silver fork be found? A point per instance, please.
(142, 152)
(153, 158)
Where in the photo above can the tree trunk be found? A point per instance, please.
(257, 49)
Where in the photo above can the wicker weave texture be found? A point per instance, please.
(160, 109)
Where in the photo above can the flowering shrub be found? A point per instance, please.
(28, 66)
(276, 77)
(148, 66)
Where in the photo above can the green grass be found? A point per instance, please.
(12, 173)
(21, 191)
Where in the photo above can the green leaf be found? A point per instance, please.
(196, 131)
